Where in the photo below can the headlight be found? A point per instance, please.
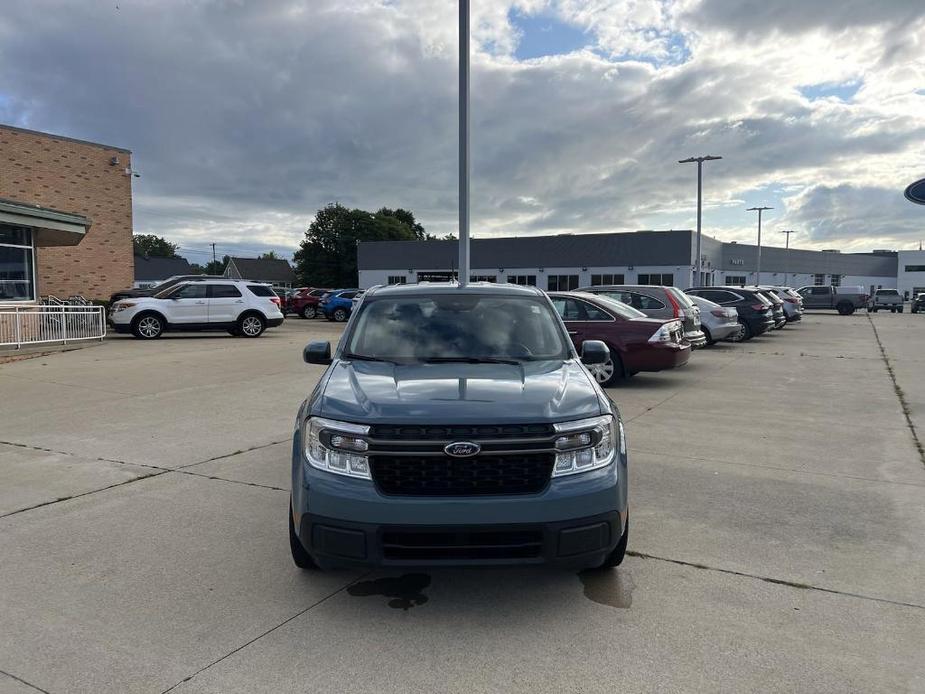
(121, 306)
(338, 447)
(586, 444)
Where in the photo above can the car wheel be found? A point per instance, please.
(845, 309)
(300, 557)
(900, 309)
(615, 558)
(309, 312)
(340, 315)
(745, 332)
(609, 372)
(875, 309)
(706, 334)
(251, 325)
(148, 326)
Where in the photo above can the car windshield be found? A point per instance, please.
(618, 307)
(456, 327)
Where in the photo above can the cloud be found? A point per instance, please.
(247, 117)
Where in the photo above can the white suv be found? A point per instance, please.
(240, 307)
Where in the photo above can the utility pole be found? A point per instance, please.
(213, 252)
(758, 264)
(787, 257)
(698, 265)
(463, 142)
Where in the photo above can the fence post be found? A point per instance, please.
(63, 324)
(17, 327)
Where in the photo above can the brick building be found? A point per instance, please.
(65, 217)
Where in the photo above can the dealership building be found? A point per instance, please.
(568, 261)
(65, 217)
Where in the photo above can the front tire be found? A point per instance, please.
(615, 558)
(148, 326)
(300, 557)
(340, 315)
(845, 309)
(309, 312)
(251, 325)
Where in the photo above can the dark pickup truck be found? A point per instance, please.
(457, 426)
(845, 300)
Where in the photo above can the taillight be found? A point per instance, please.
(275, 300)
(760, 307)
(719, 312)
(789, 300)
(674, 305)
(663, 334)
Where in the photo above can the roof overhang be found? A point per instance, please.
(50, 227)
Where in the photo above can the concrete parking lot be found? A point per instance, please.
(777, 545)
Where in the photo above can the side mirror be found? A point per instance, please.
(594, 352)
(317, 353)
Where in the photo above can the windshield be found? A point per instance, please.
(465, 327)
(618, 307)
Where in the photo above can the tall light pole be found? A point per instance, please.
(758, 264)
(463, 142)
(787, 256)
(699, 160)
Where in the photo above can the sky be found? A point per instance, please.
(245, 117)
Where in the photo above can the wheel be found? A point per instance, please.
(706, 334)
(300, 557)
(875, 309)
(609, 372)
(900, 309)
(340, 315)
(615, 558)
(892, 310)
(745, 332)
(845, 309)
(252, 325)
(148, 326)
(309, 312)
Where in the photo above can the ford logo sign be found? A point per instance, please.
(462, 449)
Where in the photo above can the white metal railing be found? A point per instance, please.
(35, 324)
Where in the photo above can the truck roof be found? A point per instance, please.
(430, 288)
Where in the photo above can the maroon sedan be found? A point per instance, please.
(305, 301)
(636, 342)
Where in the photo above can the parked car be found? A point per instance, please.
(887, 299)
(717, 322)
(284, 296)
(636, 342)
(457, 426)
(355, 301)
(658, 302)
(161, 286)
(337, 305)
(755, 311)
(918, 304)
(242, 308)
(845, 300)
(777, 306)
(305, 301)
(793, 302)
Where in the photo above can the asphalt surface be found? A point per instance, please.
(777, 545)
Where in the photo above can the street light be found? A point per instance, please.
(758, 264)
(787, 257)
(699, 264)
(463, 142)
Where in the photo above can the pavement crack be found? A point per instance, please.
(775, 581)
(269, 631)
(900, 395)
(20, 679)
(42, 449)
(225, 479)
(232, 455)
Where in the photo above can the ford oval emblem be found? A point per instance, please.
(462, 449)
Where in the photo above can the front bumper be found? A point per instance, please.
(576, 522)
(275, 322)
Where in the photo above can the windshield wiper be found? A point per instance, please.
(362, 357)
(469, 360)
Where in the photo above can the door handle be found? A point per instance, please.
(572, 332)
(239, 301)
(200, 302)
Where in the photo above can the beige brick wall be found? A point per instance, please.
(76, 177)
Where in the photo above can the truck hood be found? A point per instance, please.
(539, 391)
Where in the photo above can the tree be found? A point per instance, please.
(327, 256)
(449, 237)
(153, 245)
(269, 255)
(217, 267)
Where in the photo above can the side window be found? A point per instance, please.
(592, 312)
(722, 297)
(190, 291)
(645, 303)
(224, 291)
(568, 309)
(820, 291)
(348, 295)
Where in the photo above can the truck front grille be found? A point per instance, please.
(434, 545)
(441, 475)
(469, 432)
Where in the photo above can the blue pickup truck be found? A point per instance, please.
(457, 426)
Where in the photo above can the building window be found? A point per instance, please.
(436, 276)
(735, 280)
(836, 280)
(17, 264)
(597, 280)
(656, 279)
(563, 283)
(915, 268)
(819, 280)
(522, 279)
(482, 278)
(397, 279)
